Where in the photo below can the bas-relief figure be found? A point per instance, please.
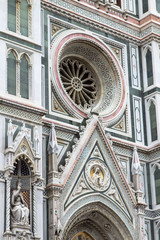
(97, 177)
(19, 208)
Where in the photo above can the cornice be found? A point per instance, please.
(130, 146)
(18, 105)
(20, 40)
(136, 30)
(60, 125)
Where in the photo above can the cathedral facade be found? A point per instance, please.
(79, 120)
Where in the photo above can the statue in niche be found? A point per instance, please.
(97, 176)
(19, 209)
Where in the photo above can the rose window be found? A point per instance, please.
(78, 81)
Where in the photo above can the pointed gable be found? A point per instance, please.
(93, 170)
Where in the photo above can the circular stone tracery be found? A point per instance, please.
(78, 81)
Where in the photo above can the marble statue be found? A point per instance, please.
(19, 210)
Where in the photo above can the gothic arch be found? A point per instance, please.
(27, 159)
(23, 54)
(98, 221)
(14, 52)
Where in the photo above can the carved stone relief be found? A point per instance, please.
(97, 175)
(81, 187)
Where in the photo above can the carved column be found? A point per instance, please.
(18, 78)
(30, 80)
(141, 205)
(141, 221)
(54, 215)
(18, 16)
(8, 203)
(34, 211)
(29, 20)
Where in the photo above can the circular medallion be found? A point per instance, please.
(86, 76)
(97, 175)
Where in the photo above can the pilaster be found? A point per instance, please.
(156, 63)
(152, 6)
(54, 191)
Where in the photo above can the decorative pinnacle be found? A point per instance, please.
(136, 167)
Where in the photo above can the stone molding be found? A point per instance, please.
(135, 33)
(114, 106)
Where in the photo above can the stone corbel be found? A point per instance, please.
(107, 7)
(125, 15)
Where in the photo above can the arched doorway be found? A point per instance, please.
(82, 236)
(97, 222)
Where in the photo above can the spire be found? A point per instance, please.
(136, 167)
(36, 140)
(10, 133)
(52, 145)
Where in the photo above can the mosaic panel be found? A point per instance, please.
(26, 197)
(134, 66)
(138, 119)
(17, 113)
(95, 17)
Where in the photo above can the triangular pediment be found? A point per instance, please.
(93, 169)
(23, 146)
(96, 177)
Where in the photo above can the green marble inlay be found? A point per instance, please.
(24, 17)
(11, 73)
(12, 15)
(24, 83)
(95, 17)
(20, 41)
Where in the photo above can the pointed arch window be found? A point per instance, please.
(24, 77)
(24, 17)
(20, 16)
(119, 3)
(157, 185)
(11, 73)
(116, 2)
(153, 121)
(19, 72)
(149, 68)
(158, 5)
(145, 6)
(12, 15)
